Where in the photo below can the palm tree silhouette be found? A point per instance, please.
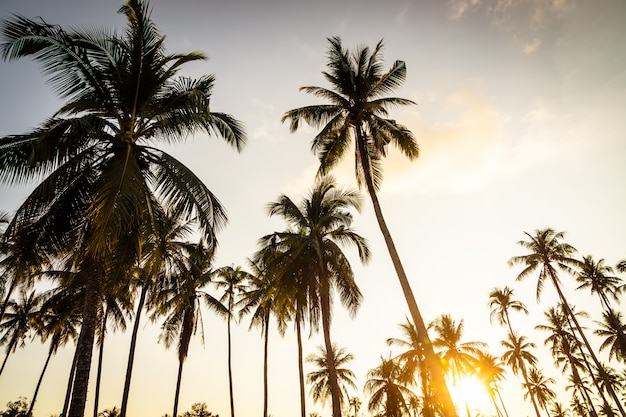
(490, 373)
(387, 385)
(311, 264)
(319, 378)
(598, 278)
(612, 329)
(538, 388)
(358, 111)
(121, 95)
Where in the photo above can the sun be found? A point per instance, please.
(469, 393)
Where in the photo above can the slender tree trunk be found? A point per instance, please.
(440, 388)
(6, 299)
(230, 368)
(10, 347)
(503, 405)
(131, 352)
(100, 355)
(530, 392)
(85, 345)
(586, 342)
(70, 383)
(330, 358)
(265, 351)
(178, 380)
(45, 366)
(300, 365)
(492, 397)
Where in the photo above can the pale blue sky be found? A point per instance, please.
(521, 125)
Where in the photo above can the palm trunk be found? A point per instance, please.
(6, 299)
(131, 353)
(100, 355)
(70, 382)
(300, 365)
(230, 369)
(530, 392)
(178, 379)
(45, 366)
(330, 358)
(440, 388)
(10, 347)
(85, 345)
(571, 315)
(265, 351)
(503, 405)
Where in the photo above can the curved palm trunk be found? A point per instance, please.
(330, 359)
(265, 351)
(300, 365)
(9, 348)
(503, 405)
(178, 379)
(85, 347)
(131, 353)
(571, 315)
(230, 368)
(440, 388)
(6, 299)
(492, 397)
(100, 355)
(45, 366)
(70, 382)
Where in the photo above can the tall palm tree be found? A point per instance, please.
(358, 111)
(599, 279)
(613, 330)
(519, 358)
(319, 378)
(459, 358)
(547, 253)
(490, 373)
(501, 301)
(311, 263)
(182, 304)
(233, 280)
(538, 386)
(96, 154)
(19, 321)
(387, 385)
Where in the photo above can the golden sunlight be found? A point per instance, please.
(471, 398)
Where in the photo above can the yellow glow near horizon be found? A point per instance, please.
(469, 392)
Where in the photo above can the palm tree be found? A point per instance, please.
(458, 358)
(96, 154)
(598, 278)
(233, 280)
(518, 356)
(387, 385)
(182, 304)
(20, 319)
(355, 404)
(547, 253)
(311, 263)
(558, 410)
(319, 379)
(490, 373)
(613, 329)
(501, 301)
(538, 388)
(358, 111)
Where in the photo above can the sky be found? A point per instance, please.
(520, 122)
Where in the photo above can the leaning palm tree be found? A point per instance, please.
(547, 253)
(519, 358)
(310, 264)
(613, 330)
(233, 280)
(501, 301)
(101, 170)
(182, 304)
(388, 387)
(538, 386)
(319, 378)
(490, 373)
(599, 279)
(358, 111)
(19, 321)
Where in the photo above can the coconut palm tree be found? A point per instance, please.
(558, 410)
(613, 330)
(599, 279)
(355, 404)
(182, 304)
(358, 110)
(501, 301)
(97, 154)
(547, 253)
(319, 379)
(519, 358)
(19, 321)
(311, 264)
(490, 373)
(538, 387)
(459, 358)
(388, 387)
(233, 280)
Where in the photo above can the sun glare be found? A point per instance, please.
(468, 393)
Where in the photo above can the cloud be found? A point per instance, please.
(457, 8)
(532, 46)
